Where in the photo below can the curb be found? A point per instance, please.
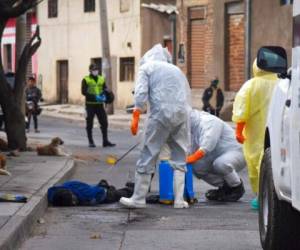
(20, 226)
(111, 123)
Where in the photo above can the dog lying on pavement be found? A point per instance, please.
(52, 149)
(3, 145)
(3, 170)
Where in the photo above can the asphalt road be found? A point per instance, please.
(206, 225)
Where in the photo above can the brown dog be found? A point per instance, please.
(3, 145)
(3, 170)
(51, 149)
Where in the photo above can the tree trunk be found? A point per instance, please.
(15, 128)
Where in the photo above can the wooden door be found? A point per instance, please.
(235, 47)
(197, 42)
(62, 82)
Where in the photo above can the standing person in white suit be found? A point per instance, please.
(165, 88)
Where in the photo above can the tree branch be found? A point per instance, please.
(9, 8)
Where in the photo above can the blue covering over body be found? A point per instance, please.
(86, 194)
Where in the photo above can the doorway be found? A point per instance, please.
(62, 82)
(235, 46)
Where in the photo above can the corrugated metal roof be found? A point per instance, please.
(163, 8)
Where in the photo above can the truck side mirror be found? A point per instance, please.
(272, 59)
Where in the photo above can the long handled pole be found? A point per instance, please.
(124, 155)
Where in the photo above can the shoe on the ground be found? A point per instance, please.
(108, 144)
(27, 130)
(255, 204)
(226, 193)
(36, 131)
(92, 145)
(179, 183)
(138, 199)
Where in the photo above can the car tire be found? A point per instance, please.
(279, 222)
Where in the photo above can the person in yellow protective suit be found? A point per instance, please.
(250, 110)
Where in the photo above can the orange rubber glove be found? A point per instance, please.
(135, 121)
(239, 132)
(198, 155)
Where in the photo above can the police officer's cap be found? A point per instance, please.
(93, 66)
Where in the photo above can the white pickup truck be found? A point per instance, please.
(279, 195)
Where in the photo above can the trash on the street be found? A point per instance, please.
(41, 221)
(96, 236)
(4, 197)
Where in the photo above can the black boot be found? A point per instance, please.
(106, 142)
(90, 138)
(226, 193)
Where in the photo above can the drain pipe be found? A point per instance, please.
(248, 40)
(173, 19)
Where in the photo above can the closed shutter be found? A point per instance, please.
(235, 51)
(198, 34)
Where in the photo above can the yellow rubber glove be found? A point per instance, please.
(239, 132)
(198, 155)
(135, 121)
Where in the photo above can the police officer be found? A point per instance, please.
(92, 87)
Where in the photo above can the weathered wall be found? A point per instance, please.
(183, 34)
(155, 27)
(271, 25)
(75, 36)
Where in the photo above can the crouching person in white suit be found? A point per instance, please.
(165, 88)
(216, 157)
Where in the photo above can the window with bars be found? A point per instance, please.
(127, 69)
(89, 6)
(52, 8)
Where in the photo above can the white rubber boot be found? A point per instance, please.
(179, 182)
(141, 187)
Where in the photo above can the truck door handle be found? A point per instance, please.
(288, 103)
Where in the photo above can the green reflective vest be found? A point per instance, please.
(94, 88)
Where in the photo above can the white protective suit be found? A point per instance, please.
(165, 89)
(223, 154)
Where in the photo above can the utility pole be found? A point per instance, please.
(106, 60)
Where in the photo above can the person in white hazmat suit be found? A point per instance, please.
(165, 88)
(217, 156)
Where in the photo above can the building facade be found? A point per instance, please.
(220, 38)
(71, 41)
(8, 45)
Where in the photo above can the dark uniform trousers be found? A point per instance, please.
(99, 111)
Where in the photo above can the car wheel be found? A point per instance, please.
(279, 222)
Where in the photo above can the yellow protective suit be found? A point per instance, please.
(251, 106)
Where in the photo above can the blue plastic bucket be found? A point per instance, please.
(166, 173)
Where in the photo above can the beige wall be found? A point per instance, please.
(75, 36)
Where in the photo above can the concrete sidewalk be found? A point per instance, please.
(119, 120)
(31, 176)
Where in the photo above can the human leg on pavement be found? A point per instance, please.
(226, 166)
(155, 137)
(35, 121)
(28, 122)
(90, 114)
(102, 119)
(178, 144)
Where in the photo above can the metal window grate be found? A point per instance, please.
(127, 69)
(89, 6)
(52, 8)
